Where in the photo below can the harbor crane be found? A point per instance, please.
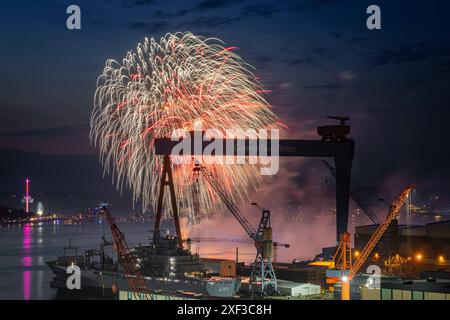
(275, 244)
(262, 237)
(342, 260)
(127, 260)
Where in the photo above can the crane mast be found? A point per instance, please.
(262, 237)
(127, 260)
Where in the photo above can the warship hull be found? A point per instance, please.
(100, 284)
(167, 269)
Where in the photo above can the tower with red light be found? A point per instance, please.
(27, 199)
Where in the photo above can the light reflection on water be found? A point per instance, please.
(27, 261)
(25, 249)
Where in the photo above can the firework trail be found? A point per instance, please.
(169, 85)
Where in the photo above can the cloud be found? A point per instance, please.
(314, 4)
(335, 34)
(358, 39)
(417, 82)
(262, 61)
(207, 5)
(260, 10)
(404, 54)
(324, 53)
(160, 14)
(436, 57)
(309, 61)
(442, 66)
(48, 132)
(328, 86)
(131, 3)
(150, 27)
(207, 22)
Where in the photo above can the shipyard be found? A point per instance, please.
(221, 158)
(170, 266)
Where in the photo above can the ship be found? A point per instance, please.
(170, 271)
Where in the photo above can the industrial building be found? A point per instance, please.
(294, 289)
(426, 289)
(297, 272)
(222, 267)
(429, 243)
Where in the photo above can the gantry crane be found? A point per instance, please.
(262, 237)
(356, 196)
(127, 260)
(343, 258)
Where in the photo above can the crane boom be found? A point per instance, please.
(239, 240)
(263, 274)
(127, 260)
(227, 200)
(376, 236)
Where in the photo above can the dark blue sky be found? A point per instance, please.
(316, 56)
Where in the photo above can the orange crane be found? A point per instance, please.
(342, 259)
(127, 260)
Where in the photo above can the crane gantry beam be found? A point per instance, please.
(341, 151)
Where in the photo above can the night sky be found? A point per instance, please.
(317, 57)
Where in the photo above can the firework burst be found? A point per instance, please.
(160, 87)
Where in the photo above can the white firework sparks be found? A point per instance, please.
(160, 87)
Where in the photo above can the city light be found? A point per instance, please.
(356, 254)
(441, 259)
(419, 257)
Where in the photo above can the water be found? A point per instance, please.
(25, 249)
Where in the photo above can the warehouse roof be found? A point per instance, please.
(292, 284)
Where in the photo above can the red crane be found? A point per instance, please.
(127, 260)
